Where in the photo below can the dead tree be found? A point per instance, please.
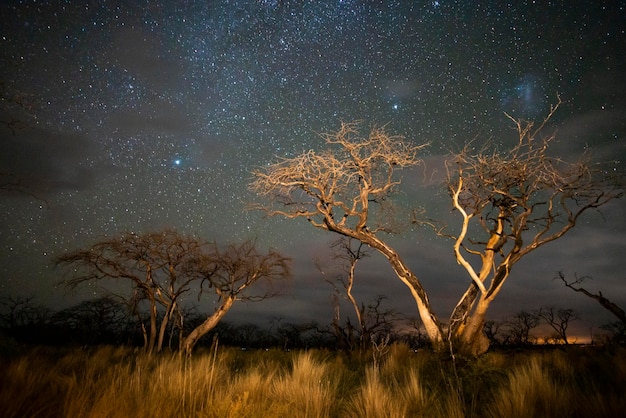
(606, 304)
(558, 320)
(159, 267)
(518, 328)
(347, 254)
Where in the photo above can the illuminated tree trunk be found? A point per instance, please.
(208, 324)
(472, 338)
(429, 319)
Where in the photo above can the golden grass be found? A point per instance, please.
(532, 391)
(118, 382)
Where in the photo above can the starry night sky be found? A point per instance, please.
(146, 114)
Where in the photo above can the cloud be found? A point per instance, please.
(595, 130)
(43, 161)
(399, 89)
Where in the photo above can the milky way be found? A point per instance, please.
(149, 114)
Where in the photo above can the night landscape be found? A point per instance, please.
(266, 208)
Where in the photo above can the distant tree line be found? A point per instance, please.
(106, 320)
(163, 279)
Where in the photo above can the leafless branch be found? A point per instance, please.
(606, 304)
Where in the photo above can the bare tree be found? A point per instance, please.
(493, 331)
(348, 254)
(558, 320)
(411, 333)
(518, 328)
(107, 312)
(232, 272)
(606, 304)
(22, 312)
(616, 329)
(375, 321)
(343, 190)
(160, 267)
(520, 199)
(616, 332)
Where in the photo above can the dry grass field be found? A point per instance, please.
(227, 382)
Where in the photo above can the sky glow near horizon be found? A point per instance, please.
(153, 114)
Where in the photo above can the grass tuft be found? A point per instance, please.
(225, 382)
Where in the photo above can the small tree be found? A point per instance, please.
(518, 328)
(371, 319)
(493, 331)
(77, 322)
(20, 313)
(233, 271)
(616, 332)
(558, 320)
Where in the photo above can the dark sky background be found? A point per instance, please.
(148, 114)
